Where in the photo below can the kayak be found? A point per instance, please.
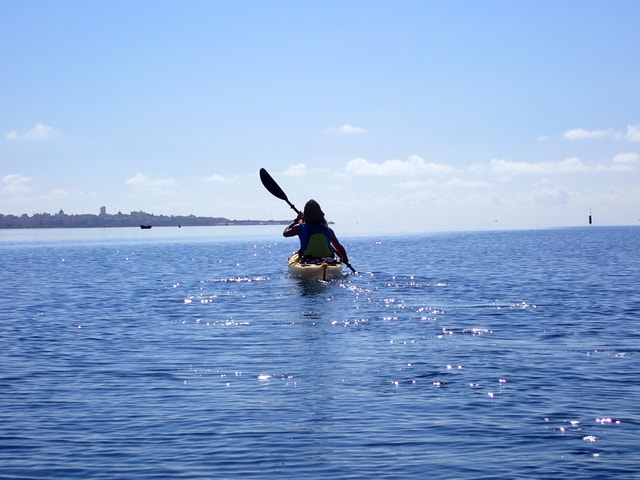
(321, 269)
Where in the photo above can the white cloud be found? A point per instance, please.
(626, 159)
(416, 184)
(552, 195)
(57, 194)
(347, 129)
(141, 180)
(506, 167)
(214, 178)
(633, 133)
(462, 183)
(581, 133)
(297, 170)
(137, 179)
(15, 184)
(415, 165)
(38, 132)
(621, 162)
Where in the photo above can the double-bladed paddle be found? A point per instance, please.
(275, 190)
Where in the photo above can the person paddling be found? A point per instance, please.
(317, 240)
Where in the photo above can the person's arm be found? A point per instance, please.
(291, 230)
(340, 250)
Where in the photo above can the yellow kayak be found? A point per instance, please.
(321, 269)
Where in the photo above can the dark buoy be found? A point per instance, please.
(589, 217)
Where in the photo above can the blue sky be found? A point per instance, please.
(395, 115)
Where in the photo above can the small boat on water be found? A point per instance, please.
(145, 227)
(320, 269)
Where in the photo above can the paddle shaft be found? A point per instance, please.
(275, 190)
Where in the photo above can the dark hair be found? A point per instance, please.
(313, 213)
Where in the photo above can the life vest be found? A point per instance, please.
(315, 240)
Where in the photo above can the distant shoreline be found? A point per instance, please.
(133, 219)
(232, 223)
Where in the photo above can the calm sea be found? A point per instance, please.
(190, 354)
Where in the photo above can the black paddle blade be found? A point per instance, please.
(271, 185)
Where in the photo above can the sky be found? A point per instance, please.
(397, 116)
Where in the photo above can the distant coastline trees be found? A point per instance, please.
(132, 219)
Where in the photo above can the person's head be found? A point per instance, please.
(313, 213)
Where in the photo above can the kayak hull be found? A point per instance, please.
(313, 271)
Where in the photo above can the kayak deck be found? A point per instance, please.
(321, 269)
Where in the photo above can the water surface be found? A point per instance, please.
(190, 354)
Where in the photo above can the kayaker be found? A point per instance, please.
(317, 240)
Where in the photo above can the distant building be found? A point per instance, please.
(103, 211)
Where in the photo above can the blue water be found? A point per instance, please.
(462, 355)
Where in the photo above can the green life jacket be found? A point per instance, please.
(314, 240)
